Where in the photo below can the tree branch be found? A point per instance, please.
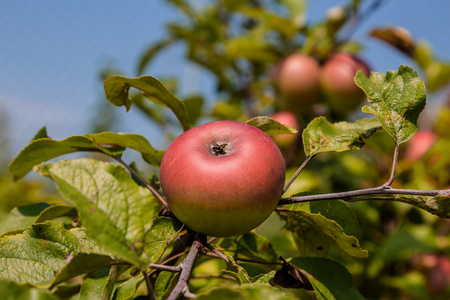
(186, 266)
(363, 192)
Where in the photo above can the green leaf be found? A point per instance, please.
(194, 107)
(397, 98)
(330, 279)
(42, 133)
(42, 150)
(322, 136)
(163, 232)
(127, 289)
(81, 264)
(164, 284)
(101, 286)
(314, 234)
(117, 87)
(252, 46)
(22, 217)
(13, 291)
(151, 52)
(129, 140)
(256, 246)
(37, 254)
(296, 9)
(437, 205)
(246, 292)
(335, 210)
(271, 126)
(111, 205)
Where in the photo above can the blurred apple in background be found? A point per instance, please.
(337, 81)
(420, 144)
(298, 81)
(288, 118)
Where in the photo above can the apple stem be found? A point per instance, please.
(219, 149)
(143, 181)
(286, 187)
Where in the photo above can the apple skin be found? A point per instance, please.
(288, 118)
(299, 81)
(420, 144)
(222, 178)
(338, 84)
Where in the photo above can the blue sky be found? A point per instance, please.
(52, 53)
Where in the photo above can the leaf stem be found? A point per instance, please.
(286, 187)
(149, 285)
(394, 166)
(140, 178)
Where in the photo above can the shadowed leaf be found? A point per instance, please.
(330, 279)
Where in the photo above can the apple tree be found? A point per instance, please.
(353, 205)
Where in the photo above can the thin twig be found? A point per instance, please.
(149, 285)
(181, 288)
(173, 269)
(286, 187)
(145, 182)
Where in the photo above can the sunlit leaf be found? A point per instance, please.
(117, 88)
(397, 98)
(111, 205)
(129, 140)
(323, 136)
(330, 279)
(270, 126)
(37, 254)
(42, 150)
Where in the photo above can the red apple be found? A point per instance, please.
(337, 80)
(222, 178)
(420, 144)
(298, 81)
(288, 118)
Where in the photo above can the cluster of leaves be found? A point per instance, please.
(109, 239)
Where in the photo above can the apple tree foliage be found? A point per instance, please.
(350, 224)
